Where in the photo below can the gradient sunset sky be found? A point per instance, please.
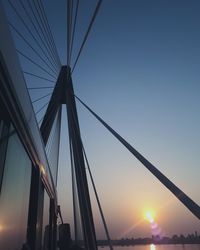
(140, 71)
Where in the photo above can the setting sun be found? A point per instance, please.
(149, 215)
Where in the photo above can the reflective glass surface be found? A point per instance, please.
(14, 196)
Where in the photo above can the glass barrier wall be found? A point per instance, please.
(14, 195)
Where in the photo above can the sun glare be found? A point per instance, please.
(149, 215)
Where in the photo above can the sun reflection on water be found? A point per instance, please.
(152, 247)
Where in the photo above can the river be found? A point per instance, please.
(156, 247)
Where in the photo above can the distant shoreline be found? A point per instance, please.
(156, 240)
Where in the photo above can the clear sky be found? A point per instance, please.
(140, 72)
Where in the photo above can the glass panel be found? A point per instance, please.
(45, 220)
(4, 134)
(14, 197)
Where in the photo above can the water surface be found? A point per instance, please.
(156, 247)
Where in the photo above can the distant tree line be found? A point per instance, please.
(193, 238)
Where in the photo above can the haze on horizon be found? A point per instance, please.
(140, 72)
